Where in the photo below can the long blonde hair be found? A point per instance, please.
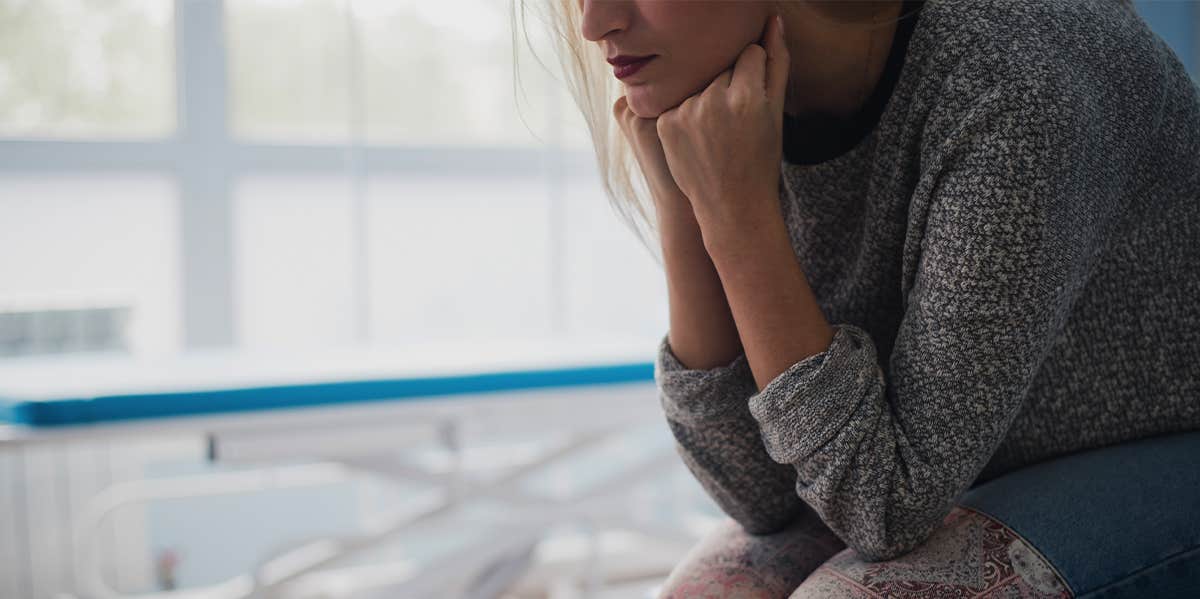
(589, 80)
(591, 84)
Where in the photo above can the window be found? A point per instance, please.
(282, 173)
(76, 69)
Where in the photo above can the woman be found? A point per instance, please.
(933, 283)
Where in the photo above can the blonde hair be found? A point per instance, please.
(591, 84)
(589, 80)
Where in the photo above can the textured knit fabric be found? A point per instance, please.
(1009, 261)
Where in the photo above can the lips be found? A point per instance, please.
(624, 59)
(624, 65)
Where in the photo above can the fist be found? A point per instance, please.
(723, 145)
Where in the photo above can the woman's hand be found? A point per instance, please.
(723, 146)
(642, 134)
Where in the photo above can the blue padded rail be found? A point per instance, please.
(115, 407)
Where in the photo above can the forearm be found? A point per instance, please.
(702, 330)
(704, 391)
(775, 310)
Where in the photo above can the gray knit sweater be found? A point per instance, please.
(1009, 260)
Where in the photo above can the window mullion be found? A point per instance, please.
(204, 173)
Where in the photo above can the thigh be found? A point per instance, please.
(1117, 522)
(730, 563)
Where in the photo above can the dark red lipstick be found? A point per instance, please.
(625, 65)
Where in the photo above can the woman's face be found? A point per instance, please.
(692, 41)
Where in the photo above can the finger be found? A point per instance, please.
(663, 123)
(619, 107)
(749, 71)
(621, 114)
(778, 61)
(720, 82)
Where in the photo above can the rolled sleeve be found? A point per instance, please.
(806, 405)
(700, 395)
(721, 445)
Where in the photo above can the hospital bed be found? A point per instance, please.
(292, 419)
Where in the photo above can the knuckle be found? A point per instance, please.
(666, 126)
(619, 106)
(739, 99)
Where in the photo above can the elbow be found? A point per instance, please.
(771, 521)
(760, 527)
(879, 551)
(893, 541)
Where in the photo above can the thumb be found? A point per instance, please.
(618, 110)
(778, 62)
(623, 115)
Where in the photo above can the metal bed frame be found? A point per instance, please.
(340, 439)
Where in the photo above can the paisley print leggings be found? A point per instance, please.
(1118, 522)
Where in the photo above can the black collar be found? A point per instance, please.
(810, 139)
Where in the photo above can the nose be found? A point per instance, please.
(602, 17)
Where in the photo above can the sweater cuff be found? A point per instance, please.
(809, 403)
(695, 395)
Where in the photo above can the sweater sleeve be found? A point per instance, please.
(1022, 188)
(720, 442)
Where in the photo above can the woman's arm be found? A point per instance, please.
(1022, 191)
(702, 331)
(773, 305)
(704, 384)
(705, 401)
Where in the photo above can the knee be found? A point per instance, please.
(716, 583)
(720, 565)
(718, 579)
(936, 566)
(730, 563)
(948, 561)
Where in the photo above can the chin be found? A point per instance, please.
(647, 101)
(642, 102)
(652, 98)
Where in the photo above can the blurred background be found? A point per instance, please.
(285, 181)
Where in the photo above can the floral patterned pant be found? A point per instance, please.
(971, 555)
(1119, 522)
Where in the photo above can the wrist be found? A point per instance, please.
(675, 213)
(737, 234)
(670, 200)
